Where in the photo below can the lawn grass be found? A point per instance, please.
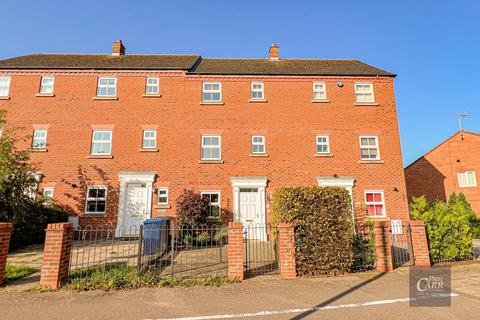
(117, 276)
(14, 272)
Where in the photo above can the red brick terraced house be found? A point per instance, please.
(118, 137)
(452, 166)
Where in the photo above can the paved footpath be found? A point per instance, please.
(365, 296)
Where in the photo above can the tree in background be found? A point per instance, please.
(18, 203)
(450, 226)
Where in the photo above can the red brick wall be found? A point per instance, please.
(383, 244)
(235, 251)
(286, 248)
(56, 255)
(421, 252)
(289, 120)
(5, 234)
(435, 174)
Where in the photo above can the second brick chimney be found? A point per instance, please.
(117, 48)
(273, 52)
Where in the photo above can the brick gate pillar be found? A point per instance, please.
(286, 251)
(5, 234)
(56, 256)
(421, 254)
(383, 246)
(235, 251)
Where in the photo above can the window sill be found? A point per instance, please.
(100, 156)
(148, 150)
(371, 161)
(258, 100)
(264, 155)
(145, 95)
(163, 206)
(366, 104)
(105, 98)
(210, 161)
(320, 101)
(95, 215)
(213, 219)
(206, 103)
(378, 218)
(44, 94)
(324, 155)
(5, 98)
(39, 149)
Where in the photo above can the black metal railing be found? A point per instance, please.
(260, 249)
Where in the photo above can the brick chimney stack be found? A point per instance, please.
(117, 48)
(274, 52)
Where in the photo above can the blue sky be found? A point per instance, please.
(433, 46)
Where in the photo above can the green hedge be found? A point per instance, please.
(29, 223)
(322, 219)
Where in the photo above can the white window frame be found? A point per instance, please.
(323, 91)
(5, 86)
(219, 193)
(154, 139)
(367, 203)
(163, 196)
(262, 143)
(396, 226)
(41, 139)
(364, 93)
(50, 86)
(318, 143)
(1, 133)
(259, 91)
(87, 198)
(467, 175)
(211, 91)
(101, 141)
(212, 147)
(48, 198)
(107, 86)
(377, 146)
(156, 86)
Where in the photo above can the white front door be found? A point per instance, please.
(135, 207)
(250, 207)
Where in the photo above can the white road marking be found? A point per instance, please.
(301, 310)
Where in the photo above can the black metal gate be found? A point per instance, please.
(260, 249)
(402, 253)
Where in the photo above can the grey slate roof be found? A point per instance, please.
(195, 64)
(288, 67)
(91, 61)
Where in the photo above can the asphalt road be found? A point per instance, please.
(366, 296)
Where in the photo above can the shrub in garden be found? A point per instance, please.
(450, 226)
(203, 238)
(221, 235)
(322, 218)
(363, 246)
(192, 208)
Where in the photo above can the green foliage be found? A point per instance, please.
(363, 245)
(29, 215)
(188, 239)
(321, 217)
(450, 226)
(221, 235)
(118, 276)
(203, 238)
(192, 208)
(14, 272)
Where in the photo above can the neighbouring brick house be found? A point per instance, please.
(449, 167)
(118, 137)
